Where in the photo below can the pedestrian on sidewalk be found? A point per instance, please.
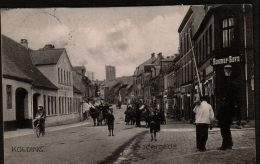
(110, 123)
(154, 124)
(204, 116)
(225, 114)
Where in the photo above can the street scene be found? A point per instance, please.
(168, 84)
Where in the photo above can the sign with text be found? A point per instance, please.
(230, 59)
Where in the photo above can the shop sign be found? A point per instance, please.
(230, 59)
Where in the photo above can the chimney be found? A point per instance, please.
(152, 55)
(48, 46)
(24, 43)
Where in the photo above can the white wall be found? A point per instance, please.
(10, 114)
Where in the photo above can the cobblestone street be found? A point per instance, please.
(74, 144)
(177, 145)
(83, 143)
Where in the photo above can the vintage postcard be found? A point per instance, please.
(151, 84)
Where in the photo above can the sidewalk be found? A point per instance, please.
(178, 145)
(23, 132)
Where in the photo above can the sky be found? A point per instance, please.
(123, 37)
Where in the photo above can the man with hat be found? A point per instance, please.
(226, 108)
(41, 114)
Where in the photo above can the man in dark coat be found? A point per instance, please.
(138, 115)
(225, 114)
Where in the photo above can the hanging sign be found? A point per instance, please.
(230, 59)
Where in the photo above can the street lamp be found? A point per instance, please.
(228, 70)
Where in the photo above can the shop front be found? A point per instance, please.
(230, 82)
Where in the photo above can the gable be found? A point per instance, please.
(64, 61)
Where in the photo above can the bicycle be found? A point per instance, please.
(38, 129)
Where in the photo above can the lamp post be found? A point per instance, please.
(228, 70)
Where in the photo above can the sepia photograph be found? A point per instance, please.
(117, 85)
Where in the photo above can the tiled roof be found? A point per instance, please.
(46, 56)
(11, 70)
(18, 64)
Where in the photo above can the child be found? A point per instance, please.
(154, 125)
(110, 123)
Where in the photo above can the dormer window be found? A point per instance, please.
(228, 27)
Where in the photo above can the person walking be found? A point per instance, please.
(138, 115)
(110, 123)
(225, 114)
(204, 115)
(127, 115)
(154, 124)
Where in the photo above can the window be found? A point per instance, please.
(52, 105)
(207, 44)
(58, 75)
(69, 78)
(183, 45)
(61, 76)
(203, 48)
(9, 96)
(49, 106)
(55, 106)
(71, 105)
(227, 32)
(210, 39)
(63, 105)
(68, 99)
(44, 102)
(64, 77)
(60, 105)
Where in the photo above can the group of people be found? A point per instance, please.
(204, 118)
(134, 114)
(153, 117)
(100, 112)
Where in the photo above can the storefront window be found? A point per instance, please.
(227, 31)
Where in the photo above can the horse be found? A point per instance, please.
(102, 114)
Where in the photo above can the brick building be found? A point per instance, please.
(225, 37)
(220, 35)
(185, 65)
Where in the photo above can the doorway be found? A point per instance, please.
(21, 97)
